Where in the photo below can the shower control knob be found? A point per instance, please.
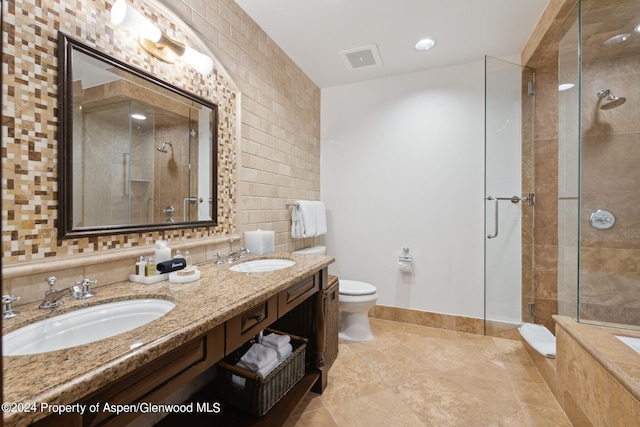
(602, 219)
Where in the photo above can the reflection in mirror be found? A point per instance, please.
(136, 153)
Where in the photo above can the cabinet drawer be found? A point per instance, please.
(295, 294)
(244, 326)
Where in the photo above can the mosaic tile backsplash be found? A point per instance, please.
(30, 122)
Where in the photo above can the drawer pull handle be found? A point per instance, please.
(258, 317)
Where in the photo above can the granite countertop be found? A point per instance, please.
(620, 360)
(66, 376)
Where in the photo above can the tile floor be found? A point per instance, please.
(417, 376)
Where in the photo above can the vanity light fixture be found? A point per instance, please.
(637, 28)
(425, 44)
(155, 42)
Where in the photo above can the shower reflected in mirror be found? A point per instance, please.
(163, 148)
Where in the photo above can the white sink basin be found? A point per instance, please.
(632, 342)
(83, 326)
(262, 265)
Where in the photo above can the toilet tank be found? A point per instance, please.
(314, 250)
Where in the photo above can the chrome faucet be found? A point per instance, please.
(240, 253)
(85, 291)
(53, 298)
(232, 255)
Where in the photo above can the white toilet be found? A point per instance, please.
(355, 301)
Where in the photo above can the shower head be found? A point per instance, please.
(611, 101)
(162, 148)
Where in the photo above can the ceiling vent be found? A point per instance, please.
(362, 57)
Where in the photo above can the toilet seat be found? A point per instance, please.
(356, 288)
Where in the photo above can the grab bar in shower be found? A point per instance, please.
(515, 199)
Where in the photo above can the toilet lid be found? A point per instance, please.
(352, 287)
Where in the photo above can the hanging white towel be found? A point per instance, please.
(321, 218)
(308, 219)
(303, 220)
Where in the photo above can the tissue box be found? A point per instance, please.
(259, 242)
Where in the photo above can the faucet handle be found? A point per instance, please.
(244, 252)
(7, 310)
(86, 289)
(51, 280)
(8, 299)
(219, 258)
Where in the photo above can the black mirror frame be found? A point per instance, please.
(66, 45)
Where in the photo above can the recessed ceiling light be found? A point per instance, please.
(565, 86)
(617, 39)
(425, 44)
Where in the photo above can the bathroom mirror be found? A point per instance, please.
(136, 153)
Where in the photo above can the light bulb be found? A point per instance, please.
(127, 17)
(425, 44)
(200, 62)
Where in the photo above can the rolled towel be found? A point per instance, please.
(258, 357)
(267, 369)
(276, 340)
(171, 265)
(238, 381)
(284, 352)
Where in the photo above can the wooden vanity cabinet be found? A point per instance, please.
(156, 381)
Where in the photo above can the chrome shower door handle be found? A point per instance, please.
(495, 234)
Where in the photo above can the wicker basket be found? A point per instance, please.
(258, 394)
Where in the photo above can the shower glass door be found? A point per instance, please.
(508, 182)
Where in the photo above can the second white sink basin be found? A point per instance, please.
(262, 265)
(83, 326)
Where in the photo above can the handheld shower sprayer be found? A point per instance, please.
(162, 148)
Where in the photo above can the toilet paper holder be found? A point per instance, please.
(406, 256)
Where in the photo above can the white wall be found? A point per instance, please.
(402, 165)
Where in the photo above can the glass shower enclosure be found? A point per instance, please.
(509, 198)
(599, 177)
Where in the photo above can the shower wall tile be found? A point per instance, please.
(546, 272)
(546, 104)
(545, 310)
(546, 165)
(546, 219)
